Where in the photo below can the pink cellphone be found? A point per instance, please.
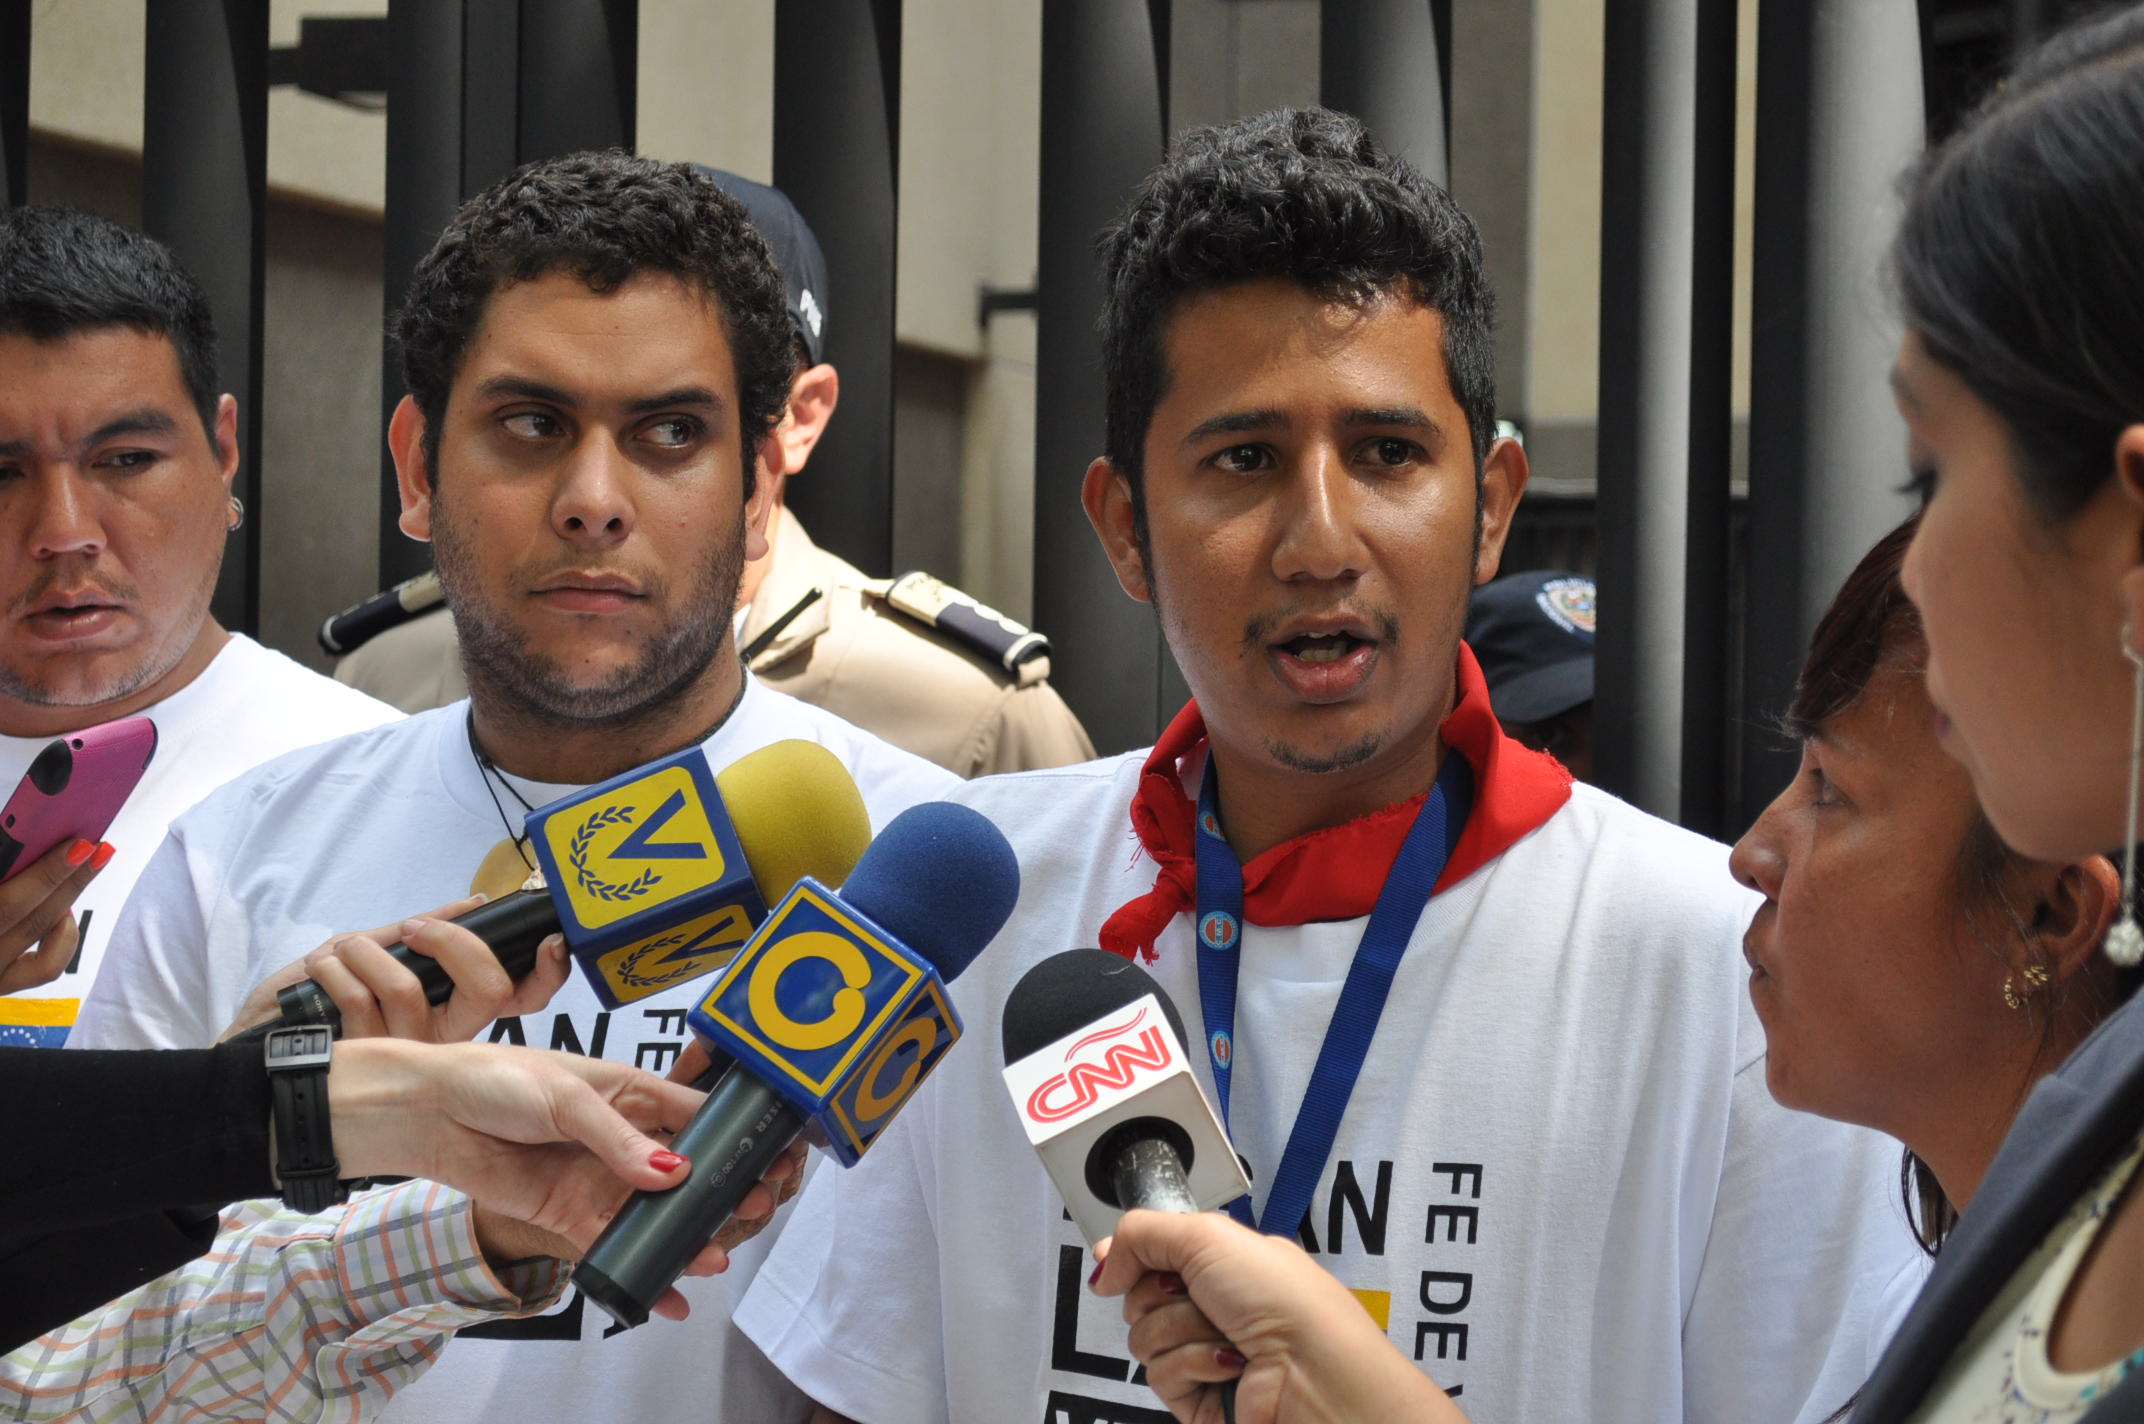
(73, 789)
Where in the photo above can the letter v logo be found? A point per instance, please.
(642, 845)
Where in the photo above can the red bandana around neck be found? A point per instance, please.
(1334, 872)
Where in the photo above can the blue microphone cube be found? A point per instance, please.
(650, 881)
(833, 1013)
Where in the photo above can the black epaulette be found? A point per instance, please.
(360, 623)
(977, 627)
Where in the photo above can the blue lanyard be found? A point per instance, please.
(1362, 997)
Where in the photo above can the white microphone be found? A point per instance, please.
(1096, 1065)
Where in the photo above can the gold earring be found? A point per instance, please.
(2036, 978)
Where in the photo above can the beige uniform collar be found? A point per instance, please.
(798, 567)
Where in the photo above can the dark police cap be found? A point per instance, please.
(796, 252)
(1533, 634)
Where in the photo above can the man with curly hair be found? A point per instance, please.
(597, 353)
(1537, 1142)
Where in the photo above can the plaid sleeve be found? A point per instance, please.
(288, 1317)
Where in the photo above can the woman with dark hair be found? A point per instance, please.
(2020, 269)
(1914, 974)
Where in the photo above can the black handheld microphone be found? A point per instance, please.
(835, 1012)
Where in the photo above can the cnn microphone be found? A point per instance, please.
(835, 1014)
(1095, 1063)
(654, 877)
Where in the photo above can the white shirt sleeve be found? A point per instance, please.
(847, 1305)
(288, 1317)
(153, 989)
(1803, 1265)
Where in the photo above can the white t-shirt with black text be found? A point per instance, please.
(248, 706)
(1561, 1184)
(394, 822)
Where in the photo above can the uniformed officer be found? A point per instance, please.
(910, 659)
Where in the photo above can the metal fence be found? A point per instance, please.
(1699, 638)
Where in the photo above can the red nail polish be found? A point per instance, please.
(104, 855)
(79, 852)
(1229, 1358)
(1095, 1274)
(1170, 1283)
(662, 1159)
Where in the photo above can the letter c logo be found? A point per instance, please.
(845, 1013)
(871, 1104)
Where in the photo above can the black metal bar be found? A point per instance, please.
(491, 92)
(1101, 133)
(1647, 135)
(204, 191)
(1838, 114)
(837, 142)
(579, 75)
(1384, 61)
(424, 185)
(1707, 772)
(14, 102)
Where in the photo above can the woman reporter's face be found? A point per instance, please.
(1872, 981)
(2024, 618)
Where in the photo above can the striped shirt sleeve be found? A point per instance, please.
(288, 1317)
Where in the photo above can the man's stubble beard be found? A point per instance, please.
(510, 679)
(156, 661)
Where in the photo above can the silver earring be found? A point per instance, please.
(2125, 942)
(238, 514)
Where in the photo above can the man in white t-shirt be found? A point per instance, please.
(1558, 1182)
(597, 352)
(116, 458)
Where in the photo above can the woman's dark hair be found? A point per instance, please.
(63, 272)
(1301, 194)
(2020, 258)
(604, 217)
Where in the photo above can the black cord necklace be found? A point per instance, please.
(488, 770)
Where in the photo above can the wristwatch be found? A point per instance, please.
(297, 1060)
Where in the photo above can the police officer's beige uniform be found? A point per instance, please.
(910, 660)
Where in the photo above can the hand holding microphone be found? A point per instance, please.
(376, 995)
(653, 878)
(1214, 1306)
(834, 1014)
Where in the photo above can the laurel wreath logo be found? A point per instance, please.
(595, 884)
(629, 969)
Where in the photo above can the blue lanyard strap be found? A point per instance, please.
(1399, 907)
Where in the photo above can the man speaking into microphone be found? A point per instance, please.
(597, 352)
(1479, 1035)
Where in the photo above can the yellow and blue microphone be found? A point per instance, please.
(657, 876)
(834, 1014)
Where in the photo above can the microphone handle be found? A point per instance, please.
(1148, 1173)
(737, 1134)
(512, 925)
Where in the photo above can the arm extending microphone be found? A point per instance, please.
(654, 877)
(835, 1013)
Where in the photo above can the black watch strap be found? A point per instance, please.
(297, 1061)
